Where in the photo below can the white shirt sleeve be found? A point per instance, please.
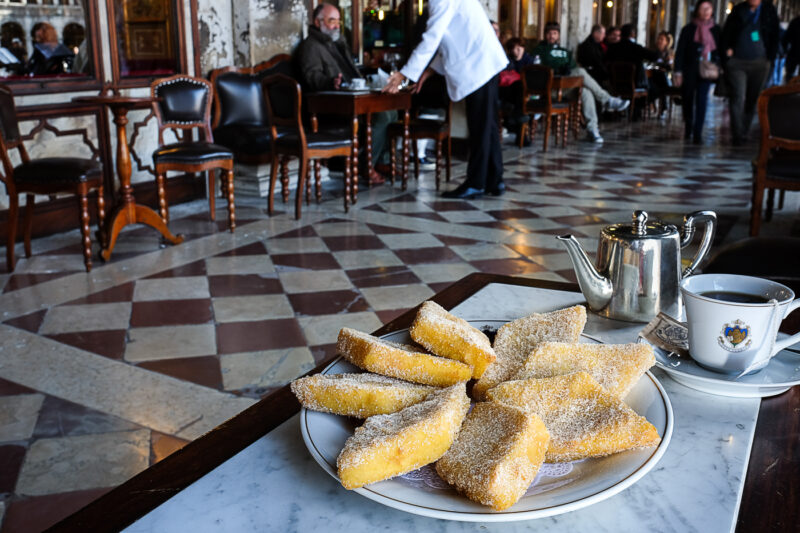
(441, 13)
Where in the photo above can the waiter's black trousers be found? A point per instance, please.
(485, 167)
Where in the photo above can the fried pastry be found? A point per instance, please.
(496, 455)
(617, 367)
(452, 337)
(517, 339)
(391, 445)
(399, 360)
(358, 395)
(583, 419)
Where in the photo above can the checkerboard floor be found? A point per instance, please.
(102, 375)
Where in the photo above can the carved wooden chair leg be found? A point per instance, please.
(347, 190)
(231, 203)
(27, 222)
(273, 177)
(83, 202)
(212, 195)
(318, 180)
(438, 162)
(416, 160)
(301, 186)
(162, 196)
(523, 133)
(449, 153)
(11, 237)
(307, 179)
(285, 178)
(101, 216)
(547, 120)
(393, 158)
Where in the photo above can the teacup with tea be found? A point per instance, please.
(733, 320)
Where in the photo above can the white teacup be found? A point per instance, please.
(358, 83)
(733, 320)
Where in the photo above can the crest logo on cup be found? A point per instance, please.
(733, 335)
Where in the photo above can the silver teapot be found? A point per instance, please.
(639, 266)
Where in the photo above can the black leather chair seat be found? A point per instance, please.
(539, 104)
(784, 165)
(57, 170)
(191, 152)
(320, 140)
(244, 138)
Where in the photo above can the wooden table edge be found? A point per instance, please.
(126, 503)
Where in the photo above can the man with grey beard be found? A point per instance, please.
(324, 62)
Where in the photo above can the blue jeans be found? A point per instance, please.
(695, 102)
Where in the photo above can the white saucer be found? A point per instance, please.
(781, 374)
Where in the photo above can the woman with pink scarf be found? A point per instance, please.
(698, 41)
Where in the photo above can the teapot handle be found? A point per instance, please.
(709, 218)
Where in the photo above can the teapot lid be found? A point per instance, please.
(640, 228)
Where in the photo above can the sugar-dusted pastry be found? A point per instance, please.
(391, 445)
(517, 339)
(496, 455)
(358, 395)
(583, 419)
(399, 360)
(617, 367)
(449, 336)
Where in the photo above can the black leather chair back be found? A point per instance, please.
(537, 80)
(282, 96)
(183, 101)
(784, 115)
(241, 100)
(623, 78)
(9, 128)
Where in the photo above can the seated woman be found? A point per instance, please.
(511, 87)
(49, 56)
(659, 80)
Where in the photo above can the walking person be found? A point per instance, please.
(698, 41)
(750, 43)
(460, 44)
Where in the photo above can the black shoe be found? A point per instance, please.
(463, 192)
(498, 190)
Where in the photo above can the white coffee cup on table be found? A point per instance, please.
(733, 320)
(358, 83)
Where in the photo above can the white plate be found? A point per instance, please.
(558, 488)
(781, 374)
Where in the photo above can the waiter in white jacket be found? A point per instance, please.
(460, 44)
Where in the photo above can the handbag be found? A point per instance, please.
(709, 70)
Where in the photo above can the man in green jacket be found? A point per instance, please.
(325, 64)
(563, 64)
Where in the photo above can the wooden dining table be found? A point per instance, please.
(354, 104)
(126, 210)
(683, 493)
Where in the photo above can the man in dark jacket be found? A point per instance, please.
(591, 54)
(791, 43)
(325, 64)
(627, 50)
(749, 45)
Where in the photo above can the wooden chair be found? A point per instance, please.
(183, 104)
(623, 84)
(537, 97)
(283, 97)
(239, 117)
(49, 175)
(793, 81)
(778, 163)
(438, 130)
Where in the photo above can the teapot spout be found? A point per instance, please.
(595, 288)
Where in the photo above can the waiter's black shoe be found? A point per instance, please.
(463, 192)
(497, 190)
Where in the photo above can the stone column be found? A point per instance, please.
(576, 23)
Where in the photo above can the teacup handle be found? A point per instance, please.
(785, 343)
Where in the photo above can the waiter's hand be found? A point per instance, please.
(394, 83)
(425, 75)
(677, 79)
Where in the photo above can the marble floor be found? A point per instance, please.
(102, 375)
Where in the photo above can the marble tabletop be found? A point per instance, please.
(275, 485)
